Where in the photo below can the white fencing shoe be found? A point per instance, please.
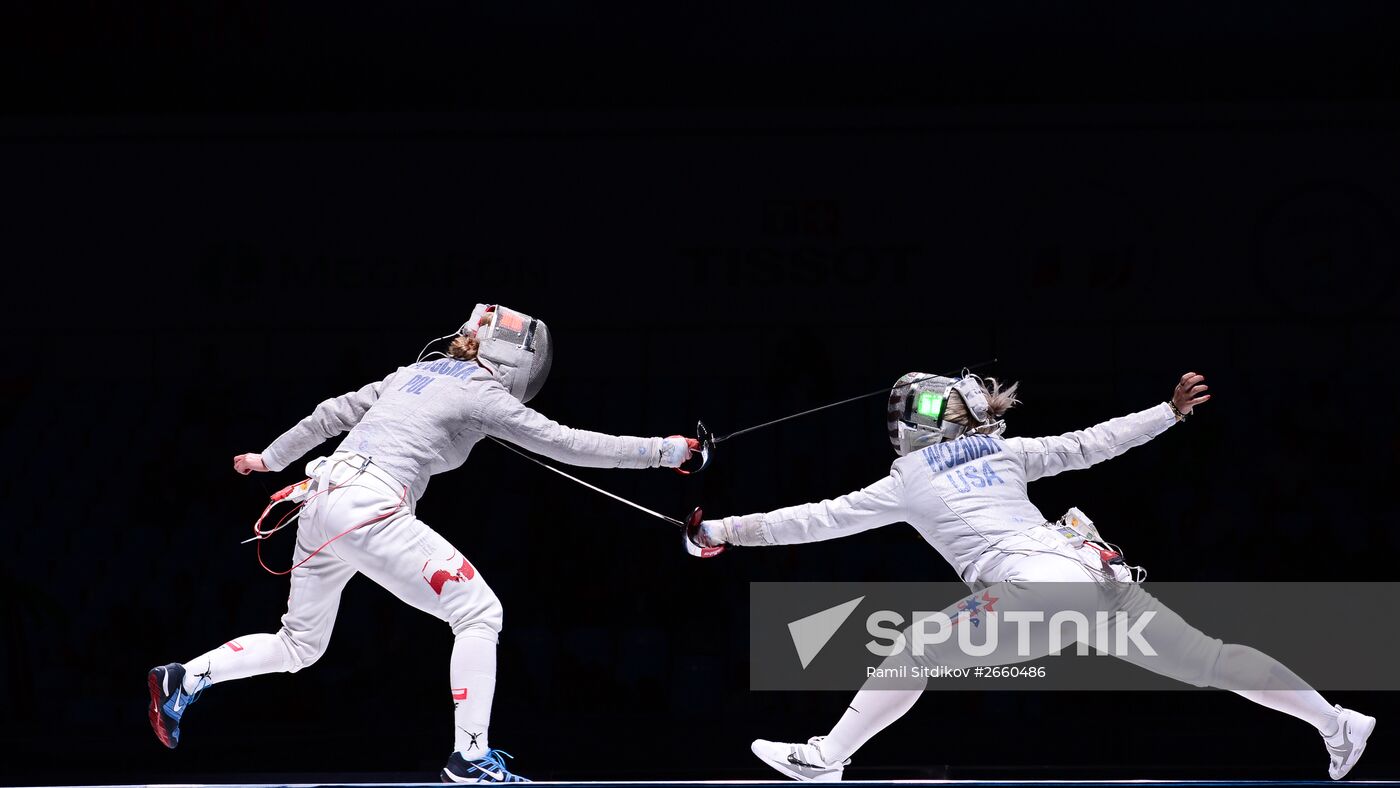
(1346, 745)
(799, 761)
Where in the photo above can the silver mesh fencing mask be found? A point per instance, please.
(515, 346)
(918, 402)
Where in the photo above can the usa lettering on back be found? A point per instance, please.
(955, 458)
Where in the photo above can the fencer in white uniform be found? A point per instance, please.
(963, 488)
(359, 517)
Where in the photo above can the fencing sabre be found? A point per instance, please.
(709, 440)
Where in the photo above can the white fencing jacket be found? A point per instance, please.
(425, 418)
(966, 497)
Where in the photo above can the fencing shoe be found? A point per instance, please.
(168, 701)
(1346, 745)
(799, 761)
(489, 768)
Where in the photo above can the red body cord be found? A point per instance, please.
(295, 509)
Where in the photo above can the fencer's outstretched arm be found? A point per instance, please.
(1082, 448)
(330, 418)
(1076, 450)
(879, 504)
(499, 414)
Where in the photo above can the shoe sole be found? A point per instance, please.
(1361, 735)
(157, 719)
(446, 776)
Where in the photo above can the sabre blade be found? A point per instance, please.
(885, 390)
(594, 488)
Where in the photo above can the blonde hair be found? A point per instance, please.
(999, 401)
(464, 348)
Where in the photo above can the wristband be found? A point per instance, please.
(1176, 412)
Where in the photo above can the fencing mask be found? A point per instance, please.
(918, 403)
(515, 346)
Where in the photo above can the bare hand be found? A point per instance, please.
(1188, 393)
(247, 463)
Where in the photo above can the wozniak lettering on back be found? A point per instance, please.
(951, 457)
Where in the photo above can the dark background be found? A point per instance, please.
(220, 214)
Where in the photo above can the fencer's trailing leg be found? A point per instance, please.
(306, 630)
(1272, 685)
(240, 658)
(1256, 676)
(175, 686)
(1348, 742)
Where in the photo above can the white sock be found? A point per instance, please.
(1306, 705)
(870, 711)
(473, 687)
(1252, 674)
(250, 655)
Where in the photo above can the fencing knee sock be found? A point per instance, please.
(1306, 705)
(473, 686)
(870, 711)
(1252, 674)
(250, 655)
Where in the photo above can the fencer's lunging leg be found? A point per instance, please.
(882, 701)
(417, 565)
(869, 712)
(473, 688)
(878, 704)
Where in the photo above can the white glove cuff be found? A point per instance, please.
(745, 531)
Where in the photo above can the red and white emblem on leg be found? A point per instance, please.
(438, 572)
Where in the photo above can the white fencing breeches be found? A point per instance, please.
(1184, 653)
(400, 553)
